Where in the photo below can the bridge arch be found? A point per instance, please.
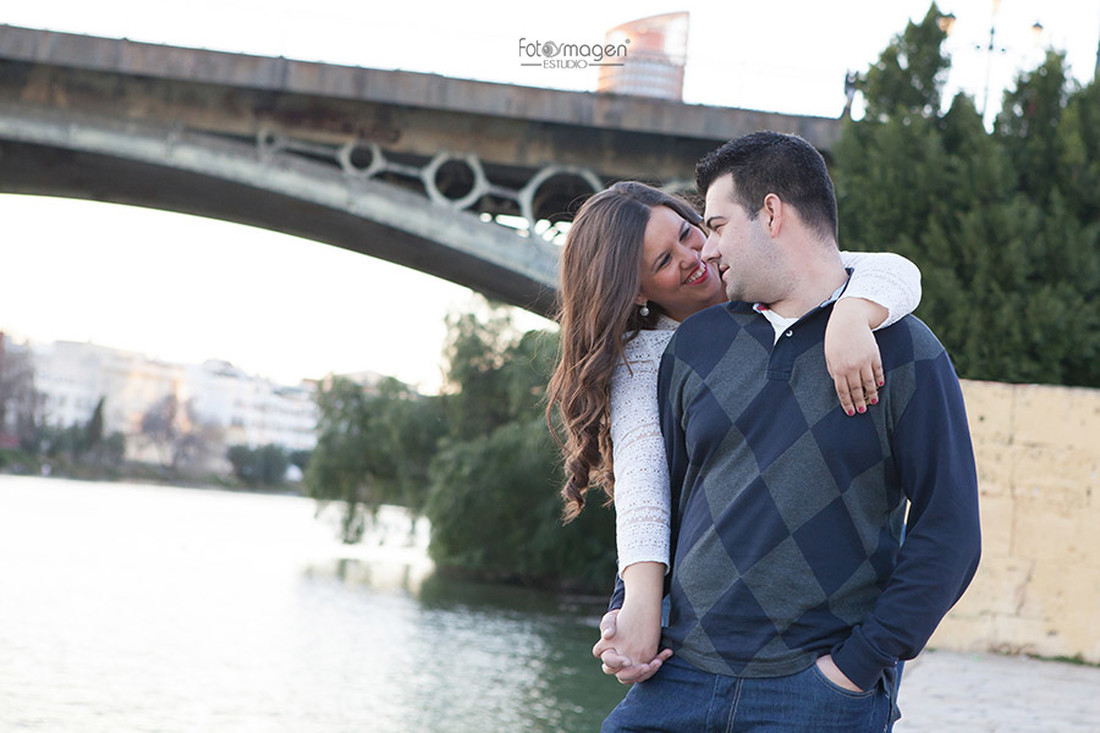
(416, 169)
(50, 152)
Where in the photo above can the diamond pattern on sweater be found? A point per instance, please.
(788, 480)
(833, 526)
(779, 583)
(703, 589)
(767, 437)
(758, 593)
(752, 528)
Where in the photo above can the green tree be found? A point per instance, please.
(495, 512)
(1043, 130)
(494, 504)
(300, 458)
(414, 425)
(495, 374)
(63, 443)
(1028, 126)
(476, 354)
(340, 469)
(240, 458)
(94, 447)
(272, 462)
(1079, 162)
(1007, 246)
(373, 448)
(264, 466)
(77, 443)
(93, 431)
(908, 78)
(478, 461)
(113, 451)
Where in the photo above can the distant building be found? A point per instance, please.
(214, 404)
(20, 402)
(253, 411)
(654, 64)
(73, 376)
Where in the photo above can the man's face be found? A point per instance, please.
(745, 254)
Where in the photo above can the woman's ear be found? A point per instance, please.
(641, 299)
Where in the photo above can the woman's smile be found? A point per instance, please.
(699, 275)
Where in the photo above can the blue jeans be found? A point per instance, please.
(683, 698)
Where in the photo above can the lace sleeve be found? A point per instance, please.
(885, 278)
(641, 472)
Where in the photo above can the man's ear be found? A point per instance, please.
(773, 213)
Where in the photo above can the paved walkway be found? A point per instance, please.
(942, 692)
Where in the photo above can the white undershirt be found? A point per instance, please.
(782, 324)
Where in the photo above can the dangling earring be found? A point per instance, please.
(644, 310)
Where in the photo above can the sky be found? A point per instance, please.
(185, 289)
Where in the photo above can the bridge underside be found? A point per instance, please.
(221, 178)
(417, 169)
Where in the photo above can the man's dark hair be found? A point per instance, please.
(774, 162)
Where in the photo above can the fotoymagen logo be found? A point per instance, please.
(555, 55)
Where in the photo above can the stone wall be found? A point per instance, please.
(1038, 588)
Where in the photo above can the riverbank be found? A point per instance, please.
(18, 463)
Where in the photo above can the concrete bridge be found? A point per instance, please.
(461, 179)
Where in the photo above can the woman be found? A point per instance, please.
(631, 271)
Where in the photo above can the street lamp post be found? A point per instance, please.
(990, 49)
(947, 23)
(1096, 71)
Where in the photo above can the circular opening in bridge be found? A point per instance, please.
(360, 157)
(558, 197)
(269, 140)
(454, 179)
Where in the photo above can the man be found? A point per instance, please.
(792, 597)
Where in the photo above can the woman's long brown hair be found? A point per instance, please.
(599, 284)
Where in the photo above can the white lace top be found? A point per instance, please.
(641, 472)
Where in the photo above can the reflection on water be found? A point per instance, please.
(469, 657)
(128, 608)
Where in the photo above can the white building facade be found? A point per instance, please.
(215, 401)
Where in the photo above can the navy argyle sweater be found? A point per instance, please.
(788, 514)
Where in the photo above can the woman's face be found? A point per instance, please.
(673, 275)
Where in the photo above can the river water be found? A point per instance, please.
(144, 608)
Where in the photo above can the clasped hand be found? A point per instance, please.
(613, 651)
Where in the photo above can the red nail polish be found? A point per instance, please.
(874, 400)
(850, 412)
(881, 382)
(862, 410)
